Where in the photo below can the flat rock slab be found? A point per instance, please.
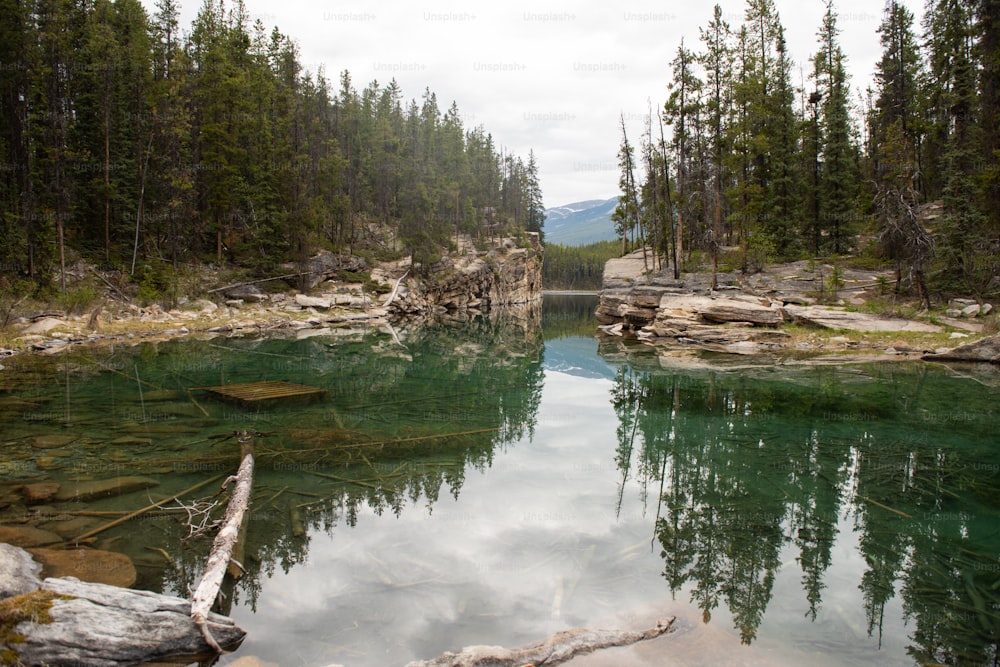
(831, 318)
(733, 310)
(103, 488)
(92, 565)
(630, 267)
(106, 626)
(28, 536)
(52, 441)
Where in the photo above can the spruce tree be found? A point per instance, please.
(839, 174)
(679, 112)
(626, 213)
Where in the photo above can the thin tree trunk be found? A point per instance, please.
(138, 208)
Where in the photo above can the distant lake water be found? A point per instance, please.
(496, 479)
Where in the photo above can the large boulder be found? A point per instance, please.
(986, 350)
(106, 626)
(18, 572)
(247, 293)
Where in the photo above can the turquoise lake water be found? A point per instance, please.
(492, 481)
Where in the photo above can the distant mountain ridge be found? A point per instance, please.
(581, 223)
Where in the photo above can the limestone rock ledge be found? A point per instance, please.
(504, 275)
(742, 315)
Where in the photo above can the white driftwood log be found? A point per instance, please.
(559, 648)
(226, 539)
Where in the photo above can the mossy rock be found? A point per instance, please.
(33, 607)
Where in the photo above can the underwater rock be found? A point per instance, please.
(93, 565)
(52, 441)
(28, 536)
(103, 488)
(39, 492)
(72, 527)
(47, 463)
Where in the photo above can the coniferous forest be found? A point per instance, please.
(757, 156)
(138, 144)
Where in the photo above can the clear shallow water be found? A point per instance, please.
(497, 481)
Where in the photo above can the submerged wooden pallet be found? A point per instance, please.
(268, 390)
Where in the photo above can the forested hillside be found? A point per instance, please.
(748, 153)
(135, 143)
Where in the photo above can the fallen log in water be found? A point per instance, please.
(98, 625)
(225, 541)
(559, 648)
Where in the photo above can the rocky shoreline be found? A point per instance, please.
(466, 280)
(786, 310)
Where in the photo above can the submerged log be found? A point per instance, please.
(225, 541)
(559, 648)
(98, 625)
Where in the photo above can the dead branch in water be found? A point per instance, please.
(147, 508)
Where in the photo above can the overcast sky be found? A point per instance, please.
(542, 75)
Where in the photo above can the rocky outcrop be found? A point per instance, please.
(744, 314)
(504, 275)
(324, 266)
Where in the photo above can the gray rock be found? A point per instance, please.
(732, 310)
(831, 318)
(250, 293)
(307, 301)
(107, 626)
(18, 572)
(986, 350)
(972, 311)
(987, 309)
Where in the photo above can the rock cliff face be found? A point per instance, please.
(503, 275)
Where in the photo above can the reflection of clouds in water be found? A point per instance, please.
(518, 556)
(536, 543)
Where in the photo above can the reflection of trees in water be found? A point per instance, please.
(569, 315)
(404, 419)
(746, 464)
